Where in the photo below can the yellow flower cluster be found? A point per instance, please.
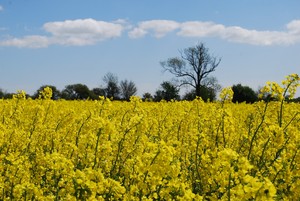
(288, 88)
(46, 93)
(103, 150)
(226, 94)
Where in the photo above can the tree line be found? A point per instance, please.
(126, 89)
(192, 68)
(112, 89)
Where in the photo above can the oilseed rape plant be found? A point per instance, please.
(177, 150)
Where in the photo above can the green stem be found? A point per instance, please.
(256, 131)
(96, 148)
(293, 118)
(228, 192)
(281, 105)
(156, 155)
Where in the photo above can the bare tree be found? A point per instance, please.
(112, 89)
(127, 89)
(194, 65)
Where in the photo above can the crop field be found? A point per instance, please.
(178, 150)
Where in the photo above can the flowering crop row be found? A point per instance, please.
(103, 150)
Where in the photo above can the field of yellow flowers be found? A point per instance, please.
(178, 150)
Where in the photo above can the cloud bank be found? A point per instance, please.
(69, 33)
(83, 32)
(199, 29)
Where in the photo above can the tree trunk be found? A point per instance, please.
(198, 90)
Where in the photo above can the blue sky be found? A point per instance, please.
(74, 41)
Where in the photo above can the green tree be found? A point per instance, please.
(8, 95)
(98, 92)
(147, 97)
(1, 93)
(5, 95)
(209, 90)
(167, 92)
(295, 100)
(243, 94)
(76, 91)
(192, 67)
(208, 93)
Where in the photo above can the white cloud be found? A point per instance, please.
(82, 31)
(70, 32)
(159, 27)
(200, 29)
(33, 41)
(1, 8)
(89, 31)
(137, 33)
(254, 37)
(294, 27)
(237, 34)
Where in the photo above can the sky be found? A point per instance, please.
(55, 42)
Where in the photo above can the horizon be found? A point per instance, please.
(61, 43)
